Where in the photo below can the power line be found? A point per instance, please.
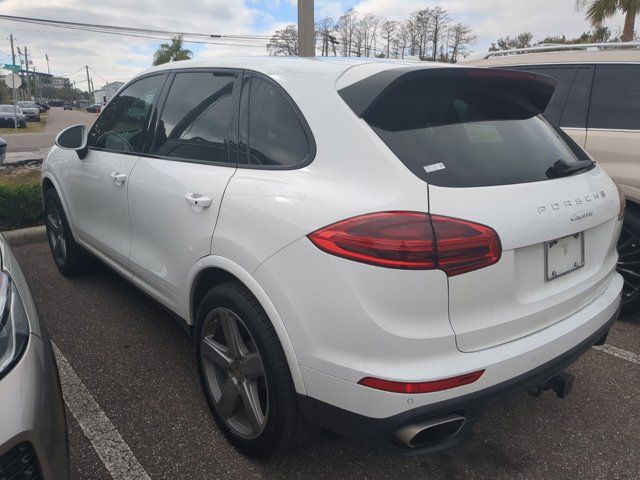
(142, 32)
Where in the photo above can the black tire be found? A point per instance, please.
(284, 426)
(70, 258)
(629, 260)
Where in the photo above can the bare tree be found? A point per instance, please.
(369, 26)
(388, 31)
(284, 42)
(346, 27)
(460, 40)
(324, 31)
(440, 20)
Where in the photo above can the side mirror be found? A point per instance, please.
(73, 138)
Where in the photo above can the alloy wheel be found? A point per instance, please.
(55, 231)
(629, 264)
(234, 373)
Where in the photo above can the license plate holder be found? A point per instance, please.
(563, 255)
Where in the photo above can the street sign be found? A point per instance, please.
(8, 66)
(13, 80)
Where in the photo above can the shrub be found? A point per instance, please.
(20, 205)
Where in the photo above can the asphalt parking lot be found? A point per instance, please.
(137, 363)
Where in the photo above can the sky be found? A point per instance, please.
(118, 58)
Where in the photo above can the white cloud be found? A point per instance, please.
(119, 57)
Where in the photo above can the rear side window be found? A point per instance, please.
(570, 102)
(564, 78)
(274, 132)
(462, 131)
(615, 100)
(122, 126)
(194, 124)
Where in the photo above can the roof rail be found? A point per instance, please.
(547, 47)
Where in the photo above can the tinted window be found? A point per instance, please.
(122, 126)
(461, 131)
(194, 123)
(577, 106)
(564, 78)
(615, 99)
(276, 136)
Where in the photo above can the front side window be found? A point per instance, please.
(276, 137)
(194, 124)
(615, 99)
(122, 126)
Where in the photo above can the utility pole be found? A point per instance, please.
(26, 64)
(47, 58)
(13, 84)
(306, 29)
(88, 79)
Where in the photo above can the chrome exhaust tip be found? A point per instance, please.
(432, 431)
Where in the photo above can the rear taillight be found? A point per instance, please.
(411, 240)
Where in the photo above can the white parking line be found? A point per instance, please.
(115, 454)
(618, 352)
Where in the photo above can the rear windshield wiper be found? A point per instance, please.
(563, 169)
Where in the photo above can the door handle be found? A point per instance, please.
(197, 201)
(118, 178)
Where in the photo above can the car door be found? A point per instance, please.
(613, 136)
(96, 186)
(569, 105)
(176, 188)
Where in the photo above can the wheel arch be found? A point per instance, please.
(48, 181)
(214, 270)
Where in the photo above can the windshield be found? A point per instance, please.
(6, 108)
(27, 104)
(469, 132)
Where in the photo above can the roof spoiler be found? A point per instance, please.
(537, 89)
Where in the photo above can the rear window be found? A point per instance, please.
(463, 130)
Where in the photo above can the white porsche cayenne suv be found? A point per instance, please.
(378, 248)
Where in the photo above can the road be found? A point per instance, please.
(138, 365)
(58, 119)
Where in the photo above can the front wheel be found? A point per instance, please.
(629, 261)
(245, 375)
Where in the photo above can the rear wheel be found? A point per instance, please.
(245, 375)
(70, 258)
(629, 261)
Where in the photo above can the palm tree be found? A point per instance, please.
(171, 52)
(599, 10)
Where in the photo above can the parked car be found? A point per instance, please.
(33, 432)
(3, 150)
(44, 107)
(95, 108)
(597, 103)
(8, 115)
(67, 106)
(31, 110)
(380, 249)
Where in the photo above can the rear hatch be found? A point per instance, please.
(476, 137)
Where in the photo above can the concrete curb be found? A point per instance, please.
(25, 236)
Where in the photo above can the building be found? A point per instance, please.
(60, 82)
(105, 93)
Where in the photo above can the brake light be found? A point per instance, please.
(421, 387)
(411, 240)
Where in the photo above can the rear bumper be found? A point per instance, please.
(380, 431)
